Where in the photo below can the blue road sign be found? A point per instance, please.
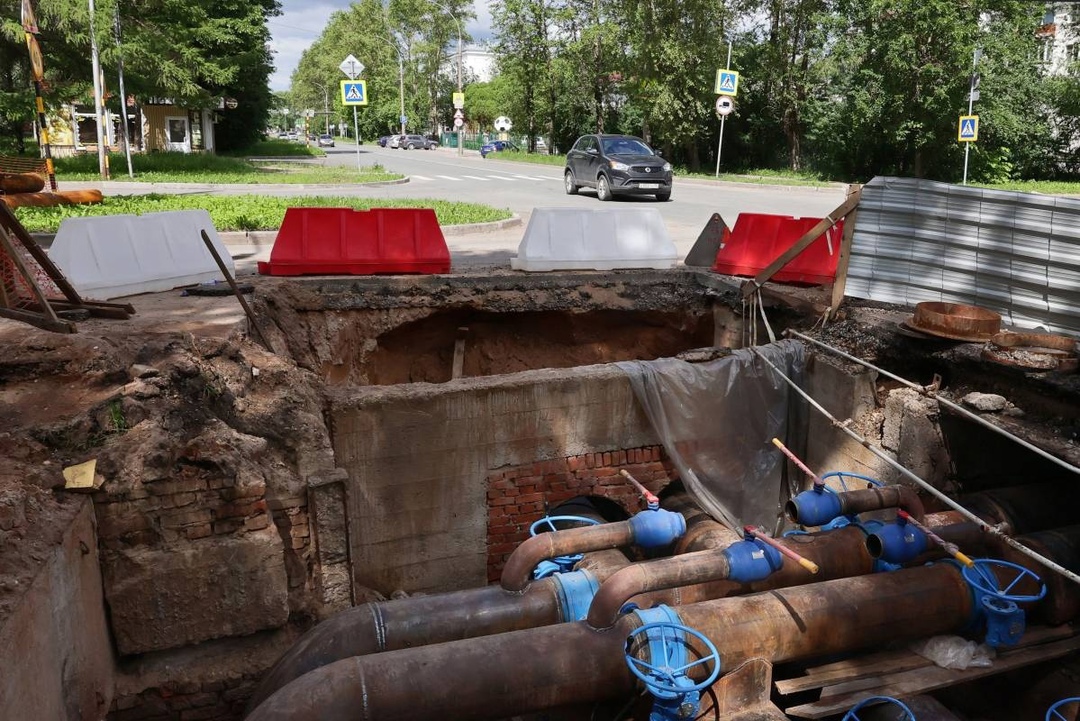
(968, 129)
(727, 82)
(404, 119)
(353, 92)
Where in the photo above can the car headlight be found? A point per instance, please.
(667, 167)
(616, 165)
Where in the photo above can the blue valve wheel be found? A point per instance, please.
(852, 715)
(983, 578)
(1053, 714)
(663, 678)
(844, 474)
(538, 527)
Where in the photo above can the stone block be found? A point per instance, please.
(211, 588)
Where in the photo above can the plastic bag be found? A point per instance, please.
(955, 652)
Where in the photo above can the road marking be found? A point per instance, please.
(477, 177)
(502, 177)
(450, 177)
(528, 177)
(421, 177)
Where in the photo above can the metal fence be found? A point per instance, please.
(1014, 253)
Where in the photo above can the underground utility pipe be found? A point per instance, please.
(703, 576)
(818, 506)
(651, 528)
(702, 531)
(927, 486)
(529, 671)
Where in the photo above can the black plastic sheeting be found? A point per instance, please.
(717, 420)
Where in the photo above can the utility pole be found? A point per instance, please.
(95, 64)
(123, 95)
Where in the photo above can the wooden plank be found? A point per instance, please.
(236, 291)
(840, 284)
(8, 246)
(459, 354)
(38, 320)
(801, 244)
(895, 661)
(926, 680)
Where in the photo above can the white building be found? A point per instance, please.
(478, 64)
(1059, 42)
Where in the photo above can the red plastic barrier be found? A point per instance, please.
(342, 241)
(758, 239)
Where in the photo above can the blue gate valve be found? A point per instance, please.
(1054, 713)
(899, 542)
(997, 606)
(676, 696)
(559, 564)
(751, 559)
(656, 527)
(853, 713)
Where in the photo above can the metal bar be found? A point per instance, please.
(648, 495)
(758, 533)
(944, 401)
(996, 532)
(951, 548)
(795, 459)
(235, 290)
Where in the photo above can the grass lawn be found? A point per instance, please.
(278, 148)
(247, 212)
(199, 168)
(1047, 187)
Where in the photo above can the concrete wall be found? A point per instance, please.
(419, 458)
(55, 654)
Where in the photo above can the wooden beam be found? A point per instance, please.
(38, 320)
(459, 354)
(845, 255)
(7, 246)
(236, 291)
(801, 244)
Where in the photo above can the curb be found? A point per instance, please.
(830, 188)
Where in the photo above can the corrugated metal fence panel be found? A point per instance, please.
(1014, 253)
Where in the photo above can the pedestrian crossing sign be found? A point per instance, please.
(353, 92)
(968, 130)
(727, 82)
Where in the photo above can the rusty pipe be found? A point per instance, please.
(422, 620)
(840, 554)
(702, 531)
(810, 507)
(529, 671)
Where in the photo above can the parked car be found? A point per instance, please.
(496, 146)
(395, 141)
(326, 141)
(416, 142)
(383, 140)
(616, 165)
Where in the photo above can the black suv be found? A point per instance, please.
(616, 165)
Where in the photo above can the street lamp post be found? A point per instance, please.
(326, 103)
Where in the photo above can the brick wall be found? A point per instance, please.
(519, 495)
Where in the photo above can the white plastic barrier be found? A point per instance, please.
(118, 255)
(595, 239)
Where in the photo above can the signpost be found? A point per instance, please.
(967, 131)
(353, 92)
(727, 84)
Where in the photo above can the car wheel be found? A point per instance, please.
(410, 146)
(663, 197)
(569, 184)
(603, 189)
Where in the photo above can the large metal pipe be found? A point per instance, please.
(532, 670)
(703, 576)
(702, 532)
(422, 620)
(816, 507)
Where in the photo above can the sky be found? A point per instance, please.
(302, 21)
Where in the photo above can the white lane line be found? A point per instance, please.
(450, 177)
(477, 177)
(502, 177)
(420, 177)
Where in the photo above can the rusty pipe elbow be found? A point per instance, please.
(684, 570)
(819, 506)
(517, 573)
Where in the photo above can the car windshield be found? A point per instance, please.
(625, 146)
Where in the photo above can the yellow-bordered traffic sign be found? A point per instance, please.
(727, 82)
(968, 129)
(353, 92)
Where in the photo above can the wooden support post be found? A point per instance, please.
(845, 255)
(8, 247)
(459, 354)
(9, 222)
(801, 244)
(236, 291)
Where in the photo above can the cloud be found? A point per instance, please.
(302, 22)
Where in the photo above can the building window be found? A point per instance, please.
(1046, 50)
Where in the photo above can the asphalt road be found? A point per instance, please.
(521, 187)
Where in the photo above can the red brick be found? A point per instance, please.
(530, 498)
(257, 523)
(202, 530)
(178, 519)
(502, 502)
(574, 463)
(179, 484)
